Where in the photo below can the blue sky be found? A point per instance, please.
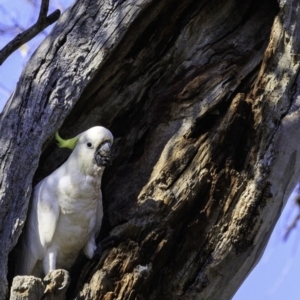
(276, 277)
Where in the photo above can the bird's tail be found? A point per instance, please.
(26, 261)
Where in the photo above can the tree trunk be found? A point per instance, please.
(202, 99)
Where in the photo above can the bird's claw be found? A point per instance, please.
(57, 280)
(65, 283)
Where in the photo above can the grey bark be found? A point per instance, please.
(202, 98)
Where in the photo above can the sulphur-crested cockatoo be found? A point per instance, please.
(65, 214)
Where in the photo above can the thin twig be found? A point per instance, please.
(22, 38)
(291, 227)
(43, 10)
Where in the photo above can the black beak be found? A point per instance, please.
(102, 155)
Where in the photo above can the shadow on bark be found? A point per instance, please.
(185, 94)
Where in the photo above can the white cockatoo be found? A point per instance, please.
(66, 212)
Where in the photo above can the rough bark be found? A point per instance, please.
(52, 287)
(25, 287)
(202, 98)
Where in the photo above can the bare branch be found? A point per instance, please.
(291, 227)
(43, 10)
(22, 38)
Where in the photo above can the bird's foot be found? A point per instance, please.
(109, 242)
(57, 280)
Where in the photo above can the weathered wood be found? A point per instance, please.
(27, 287)
(52, 287)
(82, 40)
(202, 98)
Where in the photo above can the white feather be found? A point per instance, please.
(66, 212)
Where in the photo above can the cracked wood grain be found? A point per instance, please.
(202, 98)
(46, 93)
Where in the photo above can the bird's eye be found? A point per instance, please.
(89, 144)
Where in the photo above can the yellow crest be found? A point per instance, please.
(70, 143)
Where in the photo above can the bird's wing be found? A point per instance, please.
(47, 210)
(39, 229)
(99, 215)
